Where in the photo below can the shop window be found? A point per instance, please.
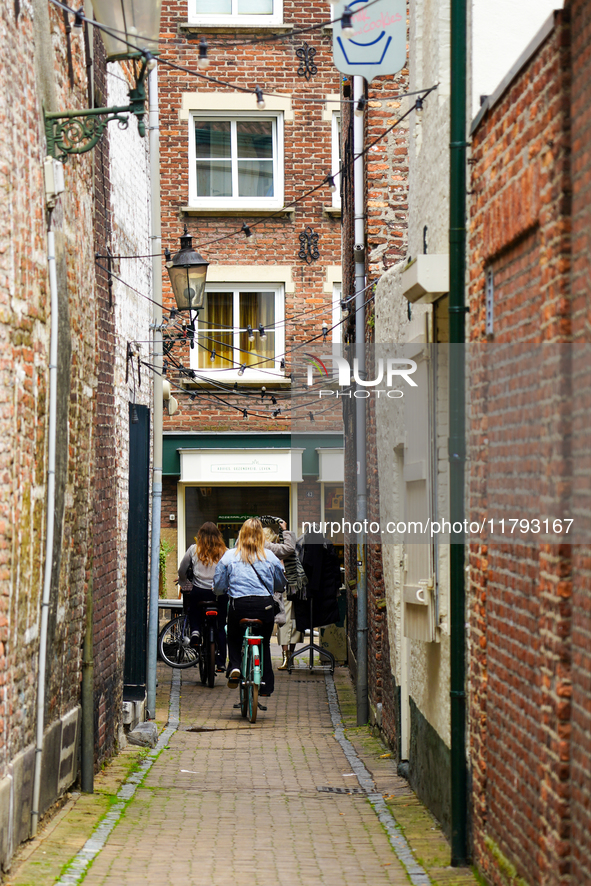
(236, 161)
(239, 12)
(229, 506)
(226, 348)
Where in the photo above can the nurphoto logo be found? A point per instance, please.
(391, 370)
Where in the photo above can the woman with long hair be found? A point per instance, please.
(249, 575)
(203, 557)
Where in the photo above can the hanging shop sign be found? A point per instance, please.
(378, 44)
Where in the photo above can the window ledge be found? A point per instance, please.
(269, 383)
(226, 28)
(287, 211)
(331, 211)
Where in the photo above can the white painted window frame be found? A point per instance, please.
(335, 165)
(337, 314)
(276, 18)
(275, 202)
(254, 374)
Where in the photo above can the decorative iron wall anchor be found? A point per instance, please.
(309, 246)
(307, 67)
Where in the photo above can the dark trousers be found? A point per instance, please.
(196, 613)
(251, 607)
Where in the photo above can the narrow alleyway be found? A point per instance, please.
(239, 803)
(227, 803)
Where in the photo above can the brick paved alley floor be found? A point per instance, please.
(228, 802)
(239, 804)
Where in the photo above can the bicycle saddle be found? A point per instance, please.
(250, 621)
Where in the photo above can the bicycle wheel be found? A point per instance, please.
(202, 663)
(173, 645)
(211, 661)
(243, 686)
(253, 686)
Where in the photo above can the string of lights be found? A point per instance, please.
(208, 395)
(345, 19)
(293, 319)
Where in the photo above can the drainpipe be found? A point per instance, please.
(156, 247)
(360, 422)
(49, 531)
(87, 699)
(457, 429)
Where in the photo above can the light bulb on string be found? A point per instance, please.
(212, 356)
(282, 364)
(276, 412)
(274, 401)
(262, 332)
(347, 29)
(331, 183)
(242, 368)
(324, 330)
(263, 392)
(311, 414)
(360, 107)
(260, 98)
(203, 61)
(419, 104)
(250, 333)
(246, 230)
(244, 413)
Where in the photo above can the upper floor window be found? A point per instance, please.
(236, 161)
(240, 332)
(239, 12)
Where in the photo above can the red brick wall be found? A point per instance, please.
(108, 686)
(580, 745)
(520, 594)
(276, 240)
(34, 73)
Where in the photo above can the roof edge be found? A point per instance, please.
(515, 69)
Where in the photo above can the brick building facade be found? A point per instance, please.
(529, 602)
(251, 439)
(48, 64)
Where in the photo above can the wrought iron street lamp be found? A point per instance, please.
(130, 30)
(187, 271)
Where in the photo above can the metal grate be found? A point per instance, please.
(327, 790)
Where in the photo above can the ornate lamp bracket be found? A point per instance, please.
(76, 132)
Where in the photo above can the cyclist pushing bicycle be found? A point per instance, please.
(249, 575)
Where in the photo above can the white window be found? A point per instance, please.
(241, 332)
(337, 314)
(236, 161)
(239, 12)
(336, 158)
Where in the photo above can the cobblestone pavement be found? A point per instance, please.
(238, 803)
(228, 802)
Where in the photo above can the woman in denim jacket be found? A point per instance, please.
(249, 575)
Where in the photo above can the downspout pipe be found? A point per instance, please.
(360, 410)
(156, 241)
(457, 429)
(87, 698)
(49, 532)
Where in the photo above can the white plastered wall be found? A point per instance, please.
(130, 236)
(425, 666)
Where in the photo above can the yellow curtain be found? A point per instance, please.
(257, 308)
(215, 331)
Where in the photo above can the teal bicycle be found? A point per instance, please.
(251, 671)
